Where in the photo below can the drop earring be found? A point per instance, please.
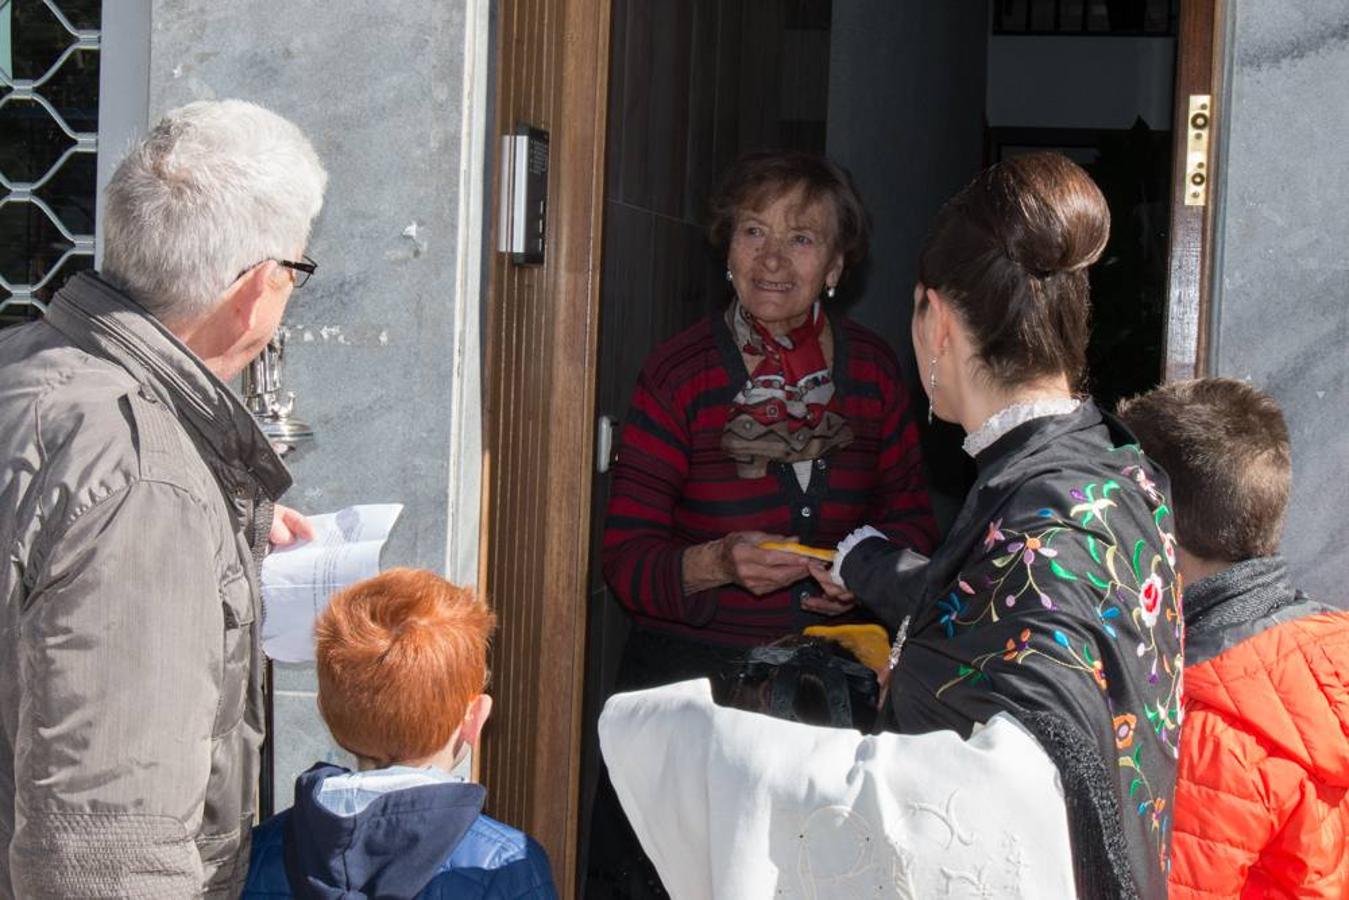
(729, 276)
(829, 292)
(931, 388)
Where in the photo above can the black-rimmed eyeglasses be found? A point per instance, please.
(299, 271)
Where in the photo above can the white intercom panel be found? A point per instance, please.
(523, 223)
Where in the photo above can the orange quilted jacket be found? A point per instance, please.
(1261, 807)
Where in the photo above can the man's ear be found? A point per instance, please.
(246, 295)
(475, 717)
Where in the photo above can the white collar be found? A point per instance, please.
(1007, 418)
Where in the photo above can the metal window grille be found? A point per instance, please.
(1155, 18)
(49, 71)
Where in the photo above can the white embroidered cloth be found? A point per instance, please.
(1007, 418)
(737, 805)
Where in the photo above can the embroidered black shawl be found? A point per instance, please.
(1054, 597)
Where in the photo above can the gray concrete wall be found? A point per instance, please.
(906, 117)
(1283, 308)
(378, 87)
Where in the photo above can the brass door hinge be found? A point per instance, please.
(1197, 164)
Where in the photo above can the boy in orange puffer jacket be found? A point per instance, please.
(1261, 807)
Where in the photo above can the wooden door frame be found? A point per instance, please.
(540, 352)
(1201, 52)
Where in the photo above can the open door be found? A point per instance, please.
(684, 102)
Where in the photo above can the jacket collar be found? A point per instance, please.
(1029, 437)
(392, 847)
(1240, 602)
(107, 323)
(1258, 584)
(1035, 447)
(1000, 470)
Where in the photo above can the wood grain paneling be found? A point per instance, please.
(701, 170)
(726, 145)
(1198, 71)
(541, 333)
(672, 25)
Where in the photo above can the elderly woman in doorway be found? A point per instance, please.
(777, 419)
(1053, 597)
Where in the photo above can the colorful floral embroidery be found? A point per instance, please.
(951, 607)
(1150, 599)
(1019, 646)
(994, 534)
(1140, 477)
(1124, 731)
(1135, 590)
(1028, 548)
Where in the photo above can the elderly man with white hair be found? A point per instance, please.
(136, 500)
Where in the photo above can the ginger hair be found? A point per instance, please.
(400, 657)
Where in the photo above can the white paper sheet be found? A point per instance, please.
(298, 580)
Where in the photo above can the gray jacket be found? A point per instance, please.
(135, 499)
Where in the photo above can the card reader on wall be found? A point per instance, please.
(522, 225)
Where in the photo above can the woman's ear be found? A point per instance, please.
(937, 321)
(831, 277)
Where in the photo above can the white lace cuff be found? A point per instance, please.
(844, 546)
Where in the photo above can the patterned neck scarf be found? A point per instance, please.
(782, 414)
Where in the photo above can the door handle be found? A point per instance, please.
(606, 452)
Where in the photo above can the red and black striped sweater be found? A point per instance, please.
(673, 487)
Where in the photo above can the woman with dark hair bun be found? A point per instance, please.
(1053, 597)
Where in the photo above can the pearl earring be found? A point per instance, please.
(931, 388)
(829, 292)
(729, 276)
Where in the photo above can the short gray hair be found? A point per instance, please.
(215, 188)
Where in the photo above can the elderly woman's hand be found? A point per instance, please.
(738, 559)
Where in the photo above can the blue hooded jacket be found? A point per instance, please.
(397, 832)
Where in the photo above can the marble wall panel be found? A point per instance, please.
(301, 740)
(377, 88)
(1283, 310)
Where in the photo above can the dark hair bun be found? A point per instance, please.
(1056, 218)
(1010, 253)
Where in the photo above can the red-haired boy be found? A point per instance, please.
(402, 663)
